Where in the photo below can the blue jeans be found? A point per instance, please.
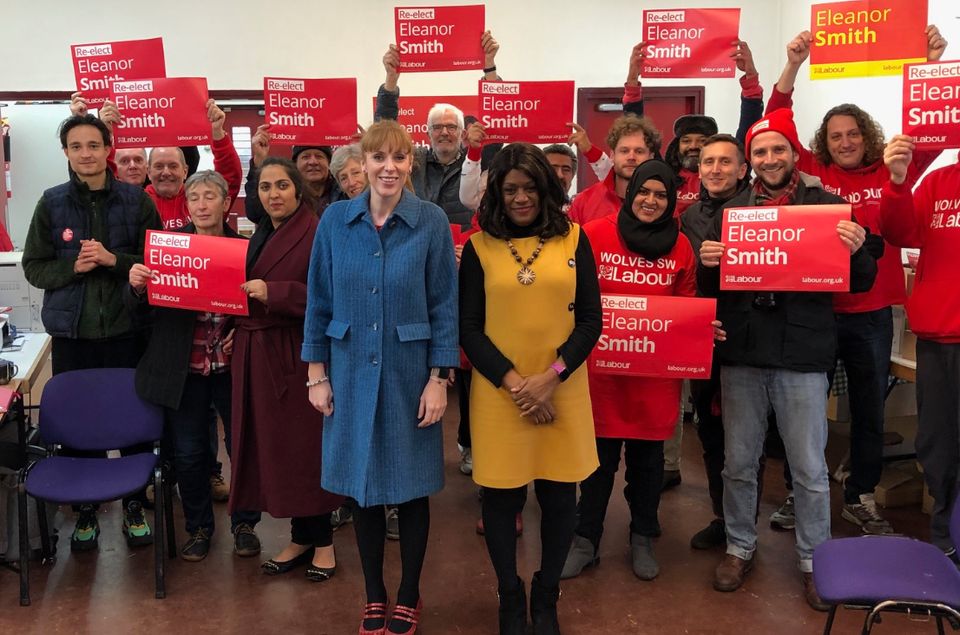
(189, 430)
(863, 343)
(800, 402)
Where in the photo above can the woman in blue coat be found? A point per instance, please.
(382, 319)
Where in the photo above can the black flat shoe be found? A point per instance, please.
(274, 567)
(320, 574)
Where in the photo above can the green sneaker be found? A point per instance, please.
(135, 527)
(87, 530)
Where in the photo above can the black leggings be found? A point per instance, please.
(558, 511)
(370, 524)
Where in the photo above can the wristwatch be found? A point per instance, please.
(561, 371)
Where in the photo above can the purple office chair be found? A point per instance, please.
(889, 573)
(98, 409)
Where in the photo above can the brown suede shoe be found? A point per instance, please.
(810, 594)
(731, 573)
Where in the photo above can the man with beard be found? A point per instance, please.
(632, 140)
(847, 155)
(778, 350)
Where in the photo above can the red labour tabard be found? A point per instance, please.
(788, 248)
(444, 38)
(161, 112)
(97, 66)
(198, 273)
(534, 112)
(310, 111)
(690, 42)
(655, 336)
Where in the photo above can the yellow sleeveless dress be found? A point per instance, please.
(527, 324)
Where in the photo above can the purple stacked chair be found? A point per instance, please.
(889, 573)
(98, 409)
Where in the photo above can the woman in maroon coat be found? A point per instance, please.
(276, 432)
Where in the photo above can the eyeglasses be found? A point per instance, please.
(449, 127)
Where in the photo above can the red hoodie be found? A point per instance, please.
(929, 219)
(173, 211)
(861, 188)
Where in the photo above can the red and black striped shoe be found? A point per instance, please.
(404, 615)
(374, 613)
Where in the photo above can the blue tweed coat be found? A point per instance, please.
(381, 311)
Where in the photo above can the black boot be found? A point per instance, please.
(543, 607)
(513, 610)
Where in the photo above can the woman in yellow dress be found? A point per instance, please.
(529, 316)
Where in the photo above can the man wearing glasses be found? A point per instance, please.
(436, 171)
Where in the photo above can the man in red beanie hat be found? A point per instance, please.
(778, 350)
(846, 153)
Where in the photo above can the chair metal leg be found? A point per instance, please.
(868, 621)
(940, 625)
(168, 515)
(829, 625)
(158, 542)
(24, 544)
(46, 550)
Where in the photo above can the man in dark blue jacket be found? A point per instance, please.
(778, 350)
(84, 237)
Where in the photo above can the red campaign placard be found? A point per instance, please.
(310, 111)
(161, 112)
(931, 104)
(439, 38)
(861, 38)
(535, 112)
(788, 248)
(414, 111)
(197, 273)
(690, 42)
(97, 66)
(655, 336)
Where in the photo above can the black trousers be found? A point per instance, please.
(558, 510)
(643, 463)
(311, 530)
(938, 433)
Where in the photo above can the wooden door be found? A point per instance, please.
(598, 107)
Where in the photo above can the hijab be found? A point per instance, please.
(654, 239)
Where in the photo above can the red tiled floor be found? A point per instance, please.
(111, 591)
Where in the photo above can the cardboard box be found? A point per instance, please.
(900, 486)
(899, 326)
(908, 346)
(838, 408)
(927, 506)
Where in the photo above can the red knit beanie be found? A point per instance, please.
(780, 120)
